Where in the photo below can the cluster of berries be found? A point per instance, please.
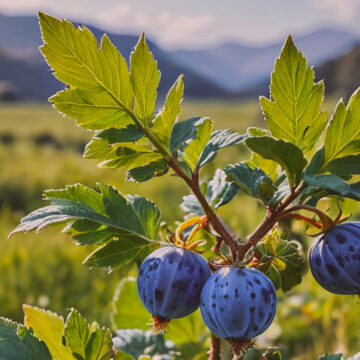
(238, 304)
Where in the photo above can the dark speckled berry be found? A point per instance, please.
(334, 259)
(170, 280)
(242, 311)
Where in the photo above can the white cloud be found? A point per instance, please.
(166, 27)
(341, 11)
(13, 7)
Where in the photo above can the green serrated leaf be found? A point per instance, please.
(343, 133)
(345, 166)
(280, 260)
(219, 140)
(76, 332)
(147, 172)
(137, 342)
(91, 110)
(49, 327)
(334, 184)
(145, 78)
(294, 111)
(100, 91)
(18, 343)
(124, 135)
(127, 309)
(124, 155)
(116, 254)
(193, 150)
(132, 220)
(288, 155)
(99, 344)
(165, 120)
(218, 192)
(253, 181)
(189, 329)
(183, 131)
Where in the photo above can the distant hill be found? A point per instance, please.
(237, 67)
(22, 64)
(342, 75)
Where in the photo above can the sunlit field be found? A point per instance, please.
(39, 149)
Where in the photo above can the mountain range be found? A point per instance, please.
(228, 70)
(237, 67)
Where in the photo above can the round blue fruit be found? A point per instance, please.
(170, 280)
(334, 259)
(238, 303)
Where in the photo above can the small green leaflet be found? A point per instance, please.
(144, 173)
(127, 309)
(334, 184)
(193, 150)
(75, 339)
(280, 260)
(145, 78)
(294, 111)
(164, 121)
(100, 91)
(49, 327)
(123, 155)
(99, 346)
(77, 333)
(288, 155)
(183, 131)
(218, 192)
(219, 140)
(343, 134)
(19, 343)
(137, 342)
(129, 223)
(118, 253)
(253, 181)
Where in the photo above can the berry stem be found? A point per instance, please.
(301, 217)
(215, 348)
(326, 221)
(217, 224)
(192, 182)
(272, 216)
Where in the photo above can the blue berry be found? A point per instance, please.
(334, 259)
(238, 304)
(169, 282)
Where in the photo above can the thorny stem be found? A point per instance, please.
(215, 348)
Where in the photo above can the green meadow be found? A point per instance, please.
(39, 149)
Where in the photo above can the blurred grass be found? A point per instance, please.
(44, 151)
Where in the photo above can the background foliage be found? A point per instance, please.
(315, 321)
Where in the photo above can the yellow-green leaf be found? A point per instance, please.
(343, 134)
(145, 78)
(49, 327)
(78, 61)
(193, 151)
(164, 121)
(294, 111)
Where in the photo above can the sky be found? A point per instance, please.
(190, 24)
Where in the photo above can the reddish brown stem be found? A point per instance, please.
(217, 224)
(215, 348)
(271, 218)
(301, 217)
(327, 222)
